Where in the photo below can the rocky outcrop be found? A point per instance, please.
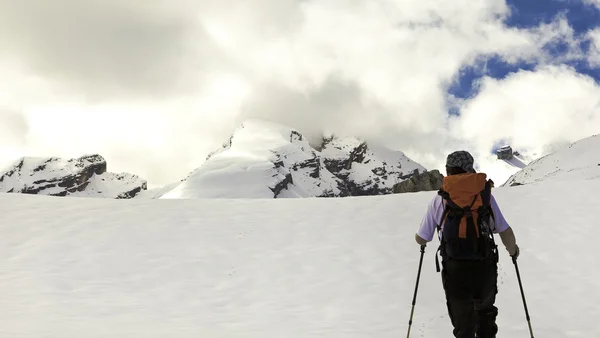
(364, 169)
(285, 180)
(282, 177)
(427, 181)
(84, 176)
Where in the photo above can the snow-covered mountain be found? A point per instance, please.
(267, 160)
(578, 161)
(83, 177)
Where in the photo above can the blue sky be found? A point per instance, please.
(581, 17)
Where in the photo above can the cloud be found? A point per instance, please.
(593, 2)
(594, 53)
(534, 111)
(13, 135)
(399, 63)
(13, 128)
(107, 47)
(155, 86)
(556, 35)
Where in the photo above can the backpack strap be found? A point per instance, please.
(446, 197)
(486, 193)
(437, 260)
(439, 230)
(486, 196)
(491, 184)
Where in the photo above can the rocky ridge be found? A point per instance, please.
(85, 176)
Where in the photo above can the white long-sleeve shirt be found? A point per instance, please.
(435, 211)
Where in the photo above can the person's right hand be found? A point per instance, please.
(515, 253)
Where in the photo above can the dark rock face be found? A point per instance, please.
(295, 136)
(282, 176)
(428, 181)
(132, 193)
(60, 177)
(299, 161)
(282, 184)
(337, 165)
(313, 164)
(362, 171)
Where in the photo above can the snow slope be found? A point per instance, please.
(266, 160)
(157, 192)
(578, 161)
(257, 268)
(516, 162)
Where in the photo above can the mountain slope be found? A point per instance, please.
(294, 268)
(368, 169)
(267, 160)
(83, 177)
(578, 161)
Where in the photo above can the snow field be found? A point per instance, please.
(76, 267)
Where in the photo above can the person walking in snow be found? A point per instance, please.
(466, 216)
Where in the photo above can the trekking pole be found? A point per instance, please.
(514, 259)
(414, 302)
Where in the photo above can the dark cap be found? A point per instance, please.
(461, 159)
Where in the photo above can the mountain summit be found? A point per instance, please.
(268, 160)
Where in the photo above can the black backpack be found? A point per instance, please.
(466, 231)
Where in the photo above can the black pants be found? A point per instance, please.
(470, 295)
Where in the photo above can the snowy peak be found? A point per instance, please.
(267, 160)
(260, 160)
(578, 161)
(85, 176)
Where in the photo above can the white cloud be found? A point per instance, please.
(154, 87)
(532, 111)
(594, 53)
(593, 2)
(109, 47)
(558, 32)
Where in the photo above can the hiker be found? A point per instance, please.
(469, 255)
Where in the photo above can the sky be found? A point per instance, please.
(155, 86)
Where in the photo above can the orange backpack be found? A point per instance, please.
(465, 229)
